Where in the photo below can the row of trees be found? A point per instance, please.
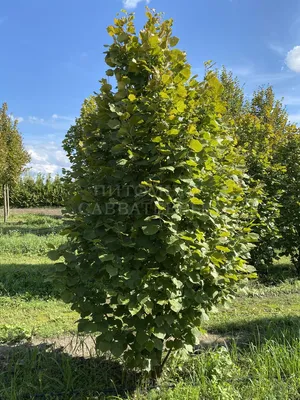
(37, 191)
(13, 156)
(271, 147)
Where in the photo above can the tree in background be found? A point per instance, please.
(270, 144)
(15, 157)
(37, 191)
(233, 94)
(288, 155)
(160, 226)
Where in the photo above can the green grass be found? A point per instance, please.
(26, 276)
(262, 326)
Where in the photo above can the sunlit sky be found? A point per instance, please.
(52, 55)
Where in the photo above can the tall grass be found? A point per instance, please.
(266, 371)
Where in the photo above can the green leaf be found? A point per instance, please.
(113, 271)
(103, 346)
(114, 124)
(173, 41)
(150, 230)
(60, 267)
(106, 257)
(123, 37)
(176, 306)
(67, 296)
(135, 310)
(53, 255)
(142, 337)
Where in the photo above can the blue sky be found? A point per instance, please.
(52, 55)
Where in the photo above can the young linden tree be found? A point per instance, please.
(159, 214)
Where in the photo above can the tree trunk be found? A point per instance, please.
(4, 204)
(7, 201)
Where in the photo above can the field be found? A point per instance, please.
(248, 350)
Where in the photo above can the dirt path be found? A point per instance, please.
(84, 346)
(41, 211)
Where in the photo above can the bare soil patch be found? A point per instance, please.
(40, 211)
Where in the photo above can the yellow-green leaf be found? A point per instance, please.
(223, 248)
(173, 132)
(157, 139)
(131, 97)
(165, 78)
(196, 201)
(195, 145)
(192, 129)
(158, 206)
(111, 30)
(195, 191)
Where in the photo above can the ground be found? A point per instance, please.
(248, 350)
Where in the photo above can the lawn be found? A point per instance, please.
(251, 349)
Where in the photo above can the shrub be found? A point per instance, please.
(159, 229)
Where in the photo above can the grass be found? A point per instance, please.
(260, 358)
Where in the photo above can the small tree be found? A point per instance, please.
(233, 94)
(159, 227)
(288, 155)
(15, 157)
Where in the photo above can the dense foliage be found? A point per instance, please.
(270, 144)
(161, 214)
(37, 191)
(288, 155)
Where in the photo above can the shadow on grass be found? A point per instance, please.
(278, 273)
(258, 331)
(43, 372)
(26, 280)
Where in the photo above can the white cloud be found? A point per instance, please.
(35, 157)
(61, 157)
(44, 169)
(276, 48)
(133, 3)
(63, 117)
(60, 123)
(293, 59)
(242, 70)
(35, 120)
(19, 119)
(47, 158)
